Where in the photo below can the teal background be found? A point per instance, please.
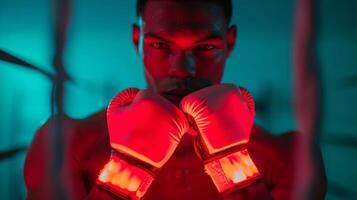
(101, 60)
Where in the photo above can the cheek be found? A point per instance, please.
(155, 63)
(211, 66)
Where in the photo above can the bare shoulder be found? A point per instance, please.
(73, 132)
(276, 156)
(76, 140)
(281, 145)
(89, 131)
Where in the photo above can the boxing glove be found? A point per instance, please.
(223, 117)
(144, 130)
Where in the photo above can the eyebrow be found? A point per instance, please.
(153, 35)
(213, 36)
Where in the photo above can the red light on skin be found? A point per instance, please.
(232, 170)
(119, 177)
(182, 41)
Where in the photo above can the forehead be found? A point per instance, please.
(182, 16)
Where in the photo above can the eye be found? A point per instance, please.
(159, 45)
(205, 47)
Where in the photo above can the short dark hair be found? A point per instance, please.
(225, 4)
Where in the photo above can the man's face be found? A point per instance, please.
(183, 44)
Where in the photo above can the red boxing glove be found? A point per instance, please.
(144, 130)
(223, 116)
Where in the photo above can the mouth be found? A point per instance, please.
(175, 90)
(178, 92)
(175, 95)
(185, 86)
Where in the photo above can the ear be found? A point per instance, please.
(231, 39)
(136, 37)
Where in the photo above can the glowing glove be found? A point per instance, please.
(223, 116)
(144, 130)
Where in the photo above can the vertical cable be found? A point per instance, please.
(61, 17)
(307, 95)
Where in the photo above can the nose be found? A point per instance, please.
(182, 65)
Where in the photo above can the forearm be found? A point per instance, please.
(98, 193)
(256, 190)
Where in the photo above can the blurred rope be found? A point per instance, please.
(7, 57)
(12, 152)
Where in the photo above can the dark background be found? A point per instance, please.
(101, 60)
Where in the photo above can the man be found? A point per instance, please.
(185, 137)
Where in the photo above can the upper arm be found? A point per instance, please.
(300, 165)
(36, 166)
(38, 169)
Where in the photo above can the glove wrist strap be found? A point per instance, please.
(124, 179)
(232, 171)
